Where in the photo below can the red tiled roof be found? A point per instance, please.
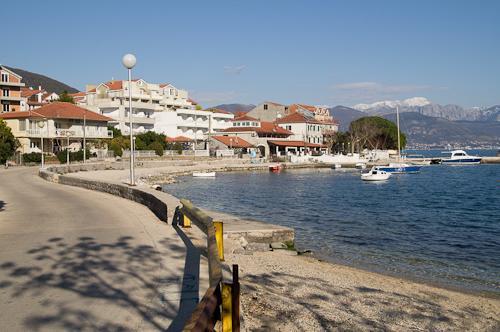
(178, 139)
(298, 118)
(239, 114)
(78, 94)
(233, 141)
(112, 85)
(295, 144)
(27, 92)
(245, 118)
(265, 128)
(295, 107)
(58, 110)
(162, 85)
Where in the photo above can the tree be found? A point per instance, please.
(144, 140)
(116, 132)
(374, 132)
(66, 98)
(8, 143)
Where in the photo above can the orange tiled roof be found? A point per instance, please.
(58, 110)
(245, 117)
(27, 92)
(178, 139)
(233, 141)
(298, 118)
(265, 128)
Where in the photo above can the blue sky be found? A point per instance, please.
(317, 52)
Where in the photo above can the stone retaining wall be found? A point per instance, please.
(156, 201)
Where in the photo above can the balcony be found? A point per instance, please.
(11, 98)
(11, 84)
(63, 133)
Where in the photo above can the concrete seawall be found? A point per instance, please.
(163, 204)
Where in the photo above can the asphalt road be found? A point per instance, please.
(74, 259)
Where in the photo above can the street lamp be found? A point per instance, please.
(41, 124)
(129, 61)
(68, 134)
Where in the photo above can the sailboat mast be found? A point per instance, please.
(399, 138)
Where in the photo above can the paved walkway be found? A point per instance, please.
(74, 259)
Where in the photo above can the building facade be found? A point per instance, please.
(62, 125)
(10, 91)
(162, 108)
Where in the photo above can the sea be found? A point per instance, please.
(440, 226)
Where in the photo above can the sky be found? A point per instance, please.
(312, 52)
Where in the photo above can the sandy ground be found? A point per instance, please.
(285, 292)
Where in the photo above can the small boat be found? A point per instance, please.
(460, 157)
(418, 159)
(336, 166)
(399, 168)
(275, 167)
(375, 175)
(204, 174)
(360, 165)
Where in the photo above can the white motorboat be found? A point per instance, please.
(375, 175)
(204, 174)
(460, 157)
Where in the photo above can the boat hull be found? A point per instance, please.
(400, 169)
(204, 174)
(465, 161)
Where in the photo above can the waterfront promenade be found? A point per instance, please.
(75, 259)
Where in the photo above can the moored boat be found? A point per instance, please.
(375, 175)
(275, 167)
(460, 157)
(399, 168)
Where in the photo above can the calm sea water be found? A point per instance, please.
(440, 226)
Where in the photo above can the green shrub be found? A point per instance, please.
(116, 148)
(73, 156)
(157, 147)
(33, 157)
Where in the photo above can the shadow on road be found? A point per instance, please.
(88, 285)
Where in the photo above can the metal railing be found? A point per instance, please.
(221, 301)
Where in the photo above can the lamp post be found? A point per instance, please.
(41, 124)
(129, 61)
(68, 134)
(84, 138)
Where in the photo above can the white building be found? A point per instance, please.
(62, 125)
(307, 128)
(159, 107)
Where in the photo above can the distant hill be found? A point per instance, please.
(235, 108)
(422, 129)
(345, 115)
(49, 84)
(426, 107)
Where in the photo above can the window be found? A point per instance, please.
(265, 106)
(5, 107)
(5, 92)
(5, 77)
(22, 125)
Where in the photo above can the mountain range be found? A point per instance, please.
(49, 84)
(425, 107)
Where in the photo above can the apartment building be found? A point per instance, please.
(10, 90)
(307, 128)
(256, 132)
(62, 125)
(162, 108)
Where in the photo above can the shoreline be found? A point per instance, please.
(366, 268)
(284, 291)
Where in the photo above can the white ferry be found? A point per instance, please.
(460, 157)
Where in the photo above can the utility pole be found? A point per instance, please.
(84, 138)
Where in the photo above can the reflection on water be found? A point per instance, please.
(442, 225)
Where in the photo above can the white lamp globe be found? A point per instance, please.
(128, 61)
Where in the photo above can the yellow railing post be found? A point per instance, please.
(219, 231)
(227, 317)
(186, 222)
